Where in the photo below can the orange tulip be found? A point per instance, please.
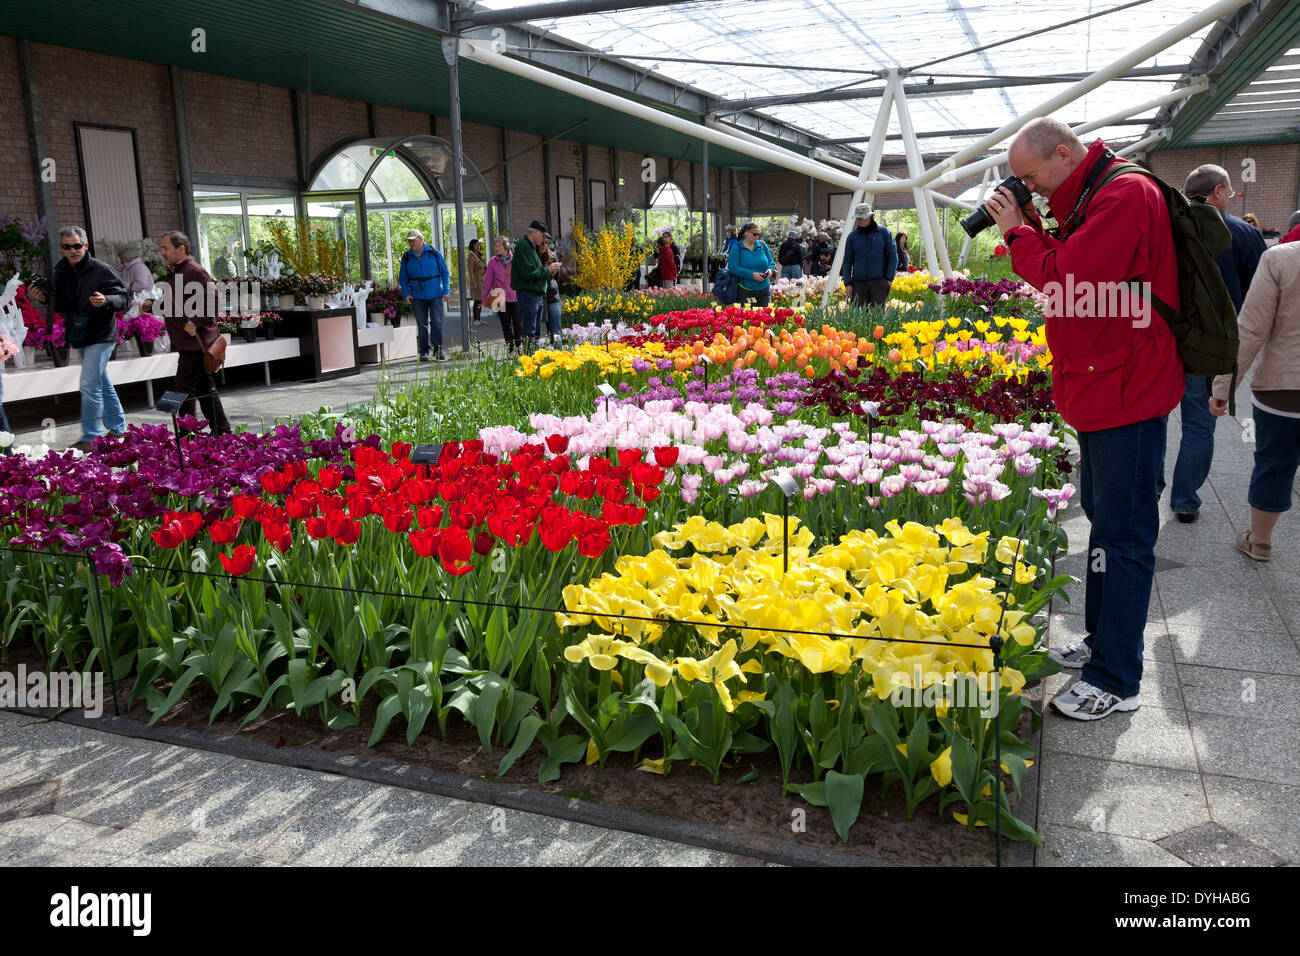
(879, 332)
(808, 372)
(895, 355)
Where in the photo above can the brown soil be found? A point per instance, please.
(755, 813)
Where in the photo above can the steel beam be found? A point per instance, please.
(921, 89)
(184, 172)
(35, 115)
(554, 11)
(451, 54)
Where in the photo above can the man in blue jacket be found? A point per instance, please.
(426, 284)
(1210, 184)
(870, 259)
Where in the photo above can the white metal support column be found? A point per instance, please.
(936, 247)
(870, 169)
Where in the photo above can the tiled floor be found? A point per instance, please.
(1207, 771)
(76, 796)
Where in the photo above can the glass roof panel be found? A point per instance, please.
(787, 37)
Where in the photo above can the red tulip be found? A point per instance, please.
(225, 531)
(168, 536)
(275, 483)
(329, 478)
(240, 561)
(629, 456)
(318, 528)
(666, 456)
(300, 508)
(246, 506)
(398, 521)
(278, 535)
(555, 537)
(401, 450)
(350, 533)
(558, 444)
(430, 517)
(593, 545)
(483, 543)
(455, 546)
(424, 542)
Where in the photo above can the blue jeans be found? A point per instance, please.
(1277, 455)
(792, 272)
(100, 407)
(428, 312)
(532, 314)
(554, 313)
(1118, 489)
(1195, 448)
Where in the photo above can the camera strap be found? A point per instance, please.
(1099, 167)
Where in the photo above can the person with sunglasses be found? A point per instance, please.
(751, 262)
(89, 294)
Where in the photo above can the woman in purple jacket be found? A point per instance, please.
(495, 279)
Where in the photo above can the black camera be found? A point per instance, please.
(980, 219)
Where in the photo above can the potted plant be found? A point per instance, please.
(53, 338)
(228, 325)
(249, 322)
(386, 305)
(269, 321)
(144, 329)
(316, 286)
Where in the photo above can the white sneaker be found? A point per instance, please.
(1075, 655)
(1085, 702)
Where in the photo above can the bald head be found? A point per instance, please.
(1044, 153)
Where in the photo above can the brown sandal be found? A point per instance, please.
(1253, 549)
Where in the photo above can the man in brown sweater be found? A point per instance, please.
(191, 333)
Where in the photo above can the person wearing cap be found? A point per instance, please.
(529, 277)
(790, 255)
(870, 259)
(426, 284)
(751, 262)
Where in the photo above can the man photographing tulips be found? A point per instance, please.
(1114, 381)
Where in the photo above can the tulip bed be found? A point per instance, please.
(597, 576)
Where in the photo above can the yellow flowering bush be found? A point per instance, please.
(607, 259)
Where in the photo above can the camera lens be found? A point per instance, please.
(980, 219)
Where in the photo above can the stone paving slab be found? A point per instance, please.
(182, 807)
(1071, 846)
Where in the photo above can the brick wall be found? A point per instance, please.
(95, 88)
(1272, 197)
(15, 163)
(238, 126)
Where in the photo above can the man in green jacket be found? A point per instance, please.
(528, 277)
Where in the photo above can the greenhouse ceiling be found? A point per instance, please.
(744, 52)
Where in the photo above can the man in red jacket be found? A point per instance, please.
(1116, 376)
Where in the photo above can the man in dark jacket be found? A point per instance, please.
(89, 294)
(528, 277)
(191, 327)
(790, 256)
(870, 259)
(822, 255)
(1209, 184)
(1116, 376)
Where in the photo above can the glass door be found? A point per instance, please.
(338, 214)
(475, 227)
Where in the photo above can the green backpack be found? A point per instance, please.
(1205, 327)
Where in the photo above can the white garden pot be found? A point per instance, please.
(316, 302)
(377, 318)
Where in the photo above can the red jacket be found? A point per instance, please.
(1105, 371)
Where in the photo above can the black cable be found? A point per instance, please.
(525, 607)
